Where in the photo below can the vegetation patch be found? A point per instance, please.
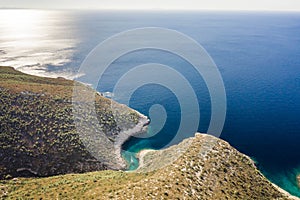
(38, 136)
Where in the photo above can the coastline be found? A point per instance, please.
(291, 197)
(123, 136)
(139, 128)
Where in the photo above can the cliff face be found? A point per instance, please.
(207, 168)
(38, 136)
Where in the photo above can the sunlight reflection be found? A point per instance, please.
(21, 23)
(33, 40)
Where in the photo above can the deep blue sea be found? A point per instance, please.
(258, 56)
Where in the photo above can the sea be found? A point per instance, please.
(257, 55)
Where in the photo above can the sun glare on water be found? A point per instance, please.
(19, 24)
(31, 39)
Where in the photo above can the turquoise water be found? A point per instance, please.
(257, 55)
(131, 159)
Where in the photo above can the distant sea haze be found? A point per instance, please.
(258, 55)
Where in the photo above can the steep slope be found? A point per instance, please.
(38, 135)
(207, 168)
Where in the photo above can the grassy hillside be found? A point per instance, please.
(209, 169)
(38, 136)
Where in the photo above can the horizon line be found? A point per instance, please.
(153, 9)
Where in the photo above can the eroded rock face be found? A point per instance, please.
(298, 179)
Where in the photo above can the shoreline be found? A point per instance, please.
(290, 196)
(124, 136)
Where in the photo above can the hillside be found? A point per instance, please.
(209, 168)
(38, 135)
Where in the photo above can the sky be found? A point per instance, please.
(284, 5)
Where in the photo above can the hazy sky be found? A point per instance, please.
(156, 4)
